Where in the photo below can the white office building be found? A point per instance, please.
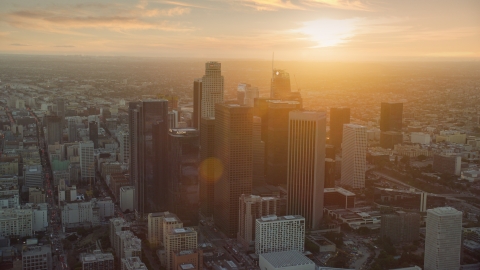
(443, 239)
(87, 161)
(274, 234)
(354, 155)
(39, 216)
(212, 88)
(106, 208)
(306, 165)
(420, 137)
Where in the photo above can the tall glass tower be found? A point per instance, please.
(149, 129)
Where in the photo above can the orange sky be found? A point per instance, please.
(329, 30)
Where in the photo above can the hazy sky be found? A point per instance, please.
(297, 29)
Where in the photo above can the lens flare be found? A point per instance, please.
(211, 169)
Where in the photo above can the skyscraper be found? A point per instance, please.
(132, 128)
(251, 93)
(93, 133)
(207, 174)
(60, 107)
(277, 140)
(329, 173)
(443, 239)
(197, 103)
(72, 130)
(391, 116)
(148, 156)
(338, 117)
(258, 147)
(233, 148)
(246, 94)
(354, 154)
(183, 149)
(124, 140)
(212, 88)
(54, 129)
(87, 162)
(280, 84)
(306, 165)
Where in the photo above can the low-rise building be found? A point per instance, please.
(448, 164)
(37, 257)
(192, 257)
(16, 222)
(97, 261)
(133, 263)
(36, 195)
(339, 197)
(420, 138)
(401, 227)
(285, 260)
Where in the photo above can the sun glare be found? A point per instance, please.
(329, 32)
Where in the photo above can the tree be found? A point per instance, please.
(421, 158)
(405, 160)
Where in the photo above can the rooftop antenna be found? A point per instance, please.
(273, 57)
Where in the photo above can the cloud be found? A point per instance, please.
(19, 45)
(340, 4)
(116, 18)
(64, 46)
(271, 5)
(182, 4)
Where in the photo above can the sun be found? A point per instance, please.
(329, 32)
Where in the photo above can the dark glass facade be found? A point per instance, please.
(206, 177)
(197, 103)
(149, 155)
(391, 116)
(93, 133)
(233, 149)
(338, 117)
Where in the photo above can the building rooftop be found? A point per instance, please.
(339, 190)
(36, 250)
(444, 211)
(187, 266)
(286, 258)
(182, 230)
(276, 218)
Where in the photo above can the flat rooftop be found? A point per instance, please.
(339, 190)
(286, 259)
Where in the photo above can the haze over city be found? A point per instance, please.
(240, 135)
(307, 30)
